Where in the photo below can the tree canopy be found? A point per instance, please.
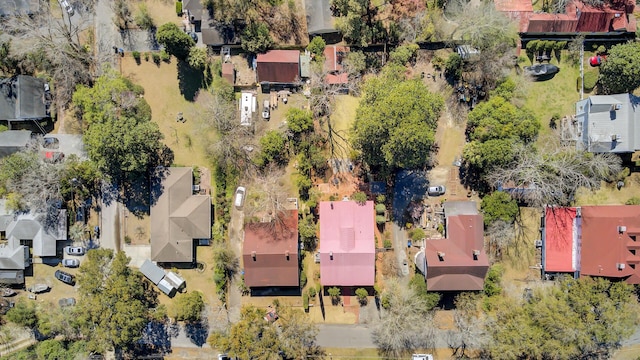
(189, 306)
(396, 121)
(115, 302)
(273, 146)
(359, 22)
(499, 206)
(621, 72)
(256, 38)
(252, 337)
(585, 318)
(120, 136)
(175, 41)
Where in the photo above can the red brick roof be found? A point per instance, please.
(275, 246)
(457, 269)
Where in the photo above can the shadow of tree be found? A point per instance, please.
(197, 332)
(156, 337)
(409, 185)
(190, 80)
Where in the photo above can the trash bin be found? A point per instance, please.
(408, 243)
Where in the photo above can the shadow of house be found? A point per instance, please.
(270, 256)
(22, 99)
(457, 262)
(178, 218)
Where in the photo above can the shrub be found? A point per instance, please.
(633, 201)
(127, 239)
(590, 80)
(387, 244)
(359, 197)
(416, 234)
(362, 294)
(146, 56)
(385, 301)
(318, 285)
(334, 292)
(404, 54)
(156, 58)
(316, 47)
(492, 282)
(305, 301)
(380, 209)
(165, 56)
(143, 18)
(136, 56)
(179, 8)
(602, 49)
(312, 292)
(189, 306)
(380, 199)
(380, 219)
(303, 278)
(453, 67)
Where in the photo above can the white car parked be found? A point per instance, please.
(68, 8)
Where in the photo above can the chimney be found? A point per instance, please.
(476, 253)
(622, 229)
(330, 255)
(440, 256)
(332, 205)
(286, 253)
(620, 266)
(253, 255)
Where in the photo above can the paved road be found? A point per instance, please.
(107, 34)
(345, 336)
(109, 218)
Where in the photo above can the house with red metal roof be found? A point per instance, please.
(592, 241)
(347, 244)
(278, 67)
(333, 57)
(611, 18)
(458, 261)
(270, 253)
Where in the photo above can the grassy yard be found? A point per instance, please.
(340, 124)
(608, 194)
(162, 92)
(348, 353)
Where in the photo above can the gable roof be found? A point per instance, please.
(560, 238)
(177, 217)
(278, 66)
(608, 123)
(270, 252)
(347, 243)
(12, 141)
(319, 18)
(27, 226)
(152, 271)
(13, 256)
(608, 250)
(22, 98)
(194, 7)
(458, 262)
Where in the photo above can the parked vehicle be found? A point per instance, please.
(74, 250)
(239, 198)
(70, 263)
(65, 277)
(68, 8)
(64, 302)
(436, 190)
(266, 112)
(38, 288)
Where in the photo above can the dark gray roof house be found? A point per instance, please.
(27, 226)
(22, 98)
(216, 34)
(12, 141)
(19, 7)
(319, 17)
(608, 123)
(193, 9)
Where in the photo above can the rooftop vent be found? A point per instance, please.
(440, 255)
(286, 253)
(332, 205)
(620, 266)
(476, 253)
(330, 255)
(253, 255)
(616, 137)
(615, 107)
(579, 212)
(622, 229)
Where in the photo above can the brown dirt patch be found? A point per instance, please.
(138, 229)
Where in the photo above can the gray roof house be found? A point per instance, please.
(14, 258)
(608, 123)
(12, 141)
(319, 18)
(22, 98)
(177, 217)
(19, 7)
(193, 9)
(29, 227)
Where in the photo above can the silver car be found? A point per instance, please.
(74, 250)
(71, 263)
(436, 190)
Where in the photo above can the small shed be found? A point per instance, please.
(12, 277)
(229, 73)
(305, 65)
(152, 272)
(166, 287)
(175, 280)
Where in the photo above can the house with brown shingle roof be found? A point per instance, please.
(457, 262)
(178, 217)
(270, 253)
(600, 241)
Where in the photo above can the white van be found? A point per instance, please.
(239, 198)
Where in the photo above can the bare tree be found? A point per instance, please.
(57, 44)
(481, 24)
(501, 235)
(553, 174)
(469, 325)
(268, 196)
(406, 325)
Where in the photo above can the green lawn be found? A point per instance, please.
(341, 122)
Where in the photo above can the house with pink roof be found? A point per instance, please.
(347, 244)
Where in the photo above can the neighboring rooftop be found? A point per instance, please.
(193, 9)
(270, 252)
(607, 123)
(278, 66)
(22, 98)
(457, 262)
(561, 251)
(347, 243)
(12, 141)
(177, 217)
(319, 18)
(27, 226)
